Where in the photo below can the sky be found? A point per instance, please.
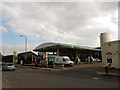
(77, 23)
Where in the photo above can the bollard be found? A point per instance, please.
(62, 65)
(54, 65)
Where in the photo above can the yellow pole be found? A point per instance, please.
(62, 65)
(47, 58)
(47, 62)
(54, 65)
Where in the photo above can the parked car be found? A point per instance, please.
(8, 66)
(83, 59)
(96, 60)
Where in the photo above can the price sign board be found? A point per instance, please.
(15, 57)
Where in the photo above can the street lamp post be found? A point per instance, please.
(25, 46)
(25, 42)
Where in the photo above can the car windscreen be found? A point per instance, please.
(66, 59)
(9, 64)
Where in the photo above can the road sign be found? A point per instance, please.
(109, 57)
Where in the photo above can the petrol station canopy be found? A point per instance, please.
(52, 47)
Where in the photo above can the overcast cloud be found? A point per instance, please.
(75, 23)
(8, 49)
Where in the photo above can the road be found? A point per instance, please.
(32, 78)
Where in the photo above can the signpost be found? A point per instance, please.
(109, 61)
(15, 57)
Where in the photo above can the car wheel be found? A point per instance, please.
(13, 69)
(71, 65)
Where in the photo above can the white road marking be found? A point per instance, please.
(6, 80)
(95, 78)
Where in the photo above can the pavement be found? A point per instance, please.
(100, 70)
(39, 68)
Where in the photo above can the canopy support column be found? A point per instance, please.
(57, 51)
(77, 60)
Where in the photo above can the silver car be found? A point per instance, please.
(8, 66)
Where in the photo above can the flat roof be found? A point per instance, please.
(113, 41)
(50, 46)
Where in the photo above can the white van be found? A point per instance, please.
(60, 60)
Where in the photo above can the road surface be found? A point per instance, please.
(33, 78)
